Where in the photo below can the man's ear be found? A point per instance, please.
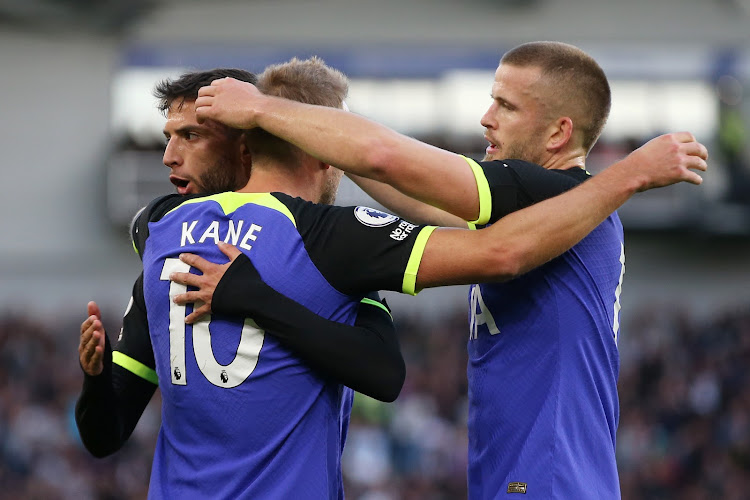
(561, 132)
(246, 156)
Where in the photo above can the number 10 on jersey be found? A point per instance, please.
(225, 376)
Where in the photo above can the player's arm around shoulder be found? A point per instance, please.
(363, 147)
(455, 256)
(520, 241)
(530, 237)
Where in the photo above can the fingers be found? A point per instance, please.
(692, 178)
(695, 149)
(93, 335)
(697, 154)
(203, 108)
(684, 137)
(204, 102)
(195, 261)
(209, 90)
(93, 309)
(696, 163)
(96, 344)
(91, 347)
(87, 324)
(230, 251)
(198, 313)
(188, 279)
(205, 283)
(188, 297)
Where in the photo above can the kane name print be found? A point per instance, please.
(235, 233)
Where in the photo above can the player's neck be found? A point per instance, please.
(565, 161)
(267, 177)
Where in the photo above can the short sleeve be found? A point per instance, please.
(133, 350)
(359, 249)
(512, 185)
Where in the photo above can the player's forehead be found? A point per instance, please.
(181, 115)
(515, 81)
(511, 74)
(180, 112)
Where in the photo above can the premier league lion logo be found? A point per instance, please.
(372, 217)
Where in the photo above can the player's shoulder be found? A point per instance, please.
(532, 171)
(508, 164)
(523, 166)
(306, 213)
(154, 212)
(309, 213)
(298, 205)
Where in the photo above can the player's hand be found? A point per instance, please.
(205, 283)
(669, 159)
(91, 346)
(228, 101)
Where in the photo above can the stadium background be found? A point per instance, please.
(80, 153)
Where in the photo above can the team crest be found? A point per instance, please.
(372, 217)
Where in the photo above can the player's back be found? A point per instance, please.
(241, 416)
(543, 367)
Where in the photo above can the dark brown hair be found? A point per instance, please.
(187, 85)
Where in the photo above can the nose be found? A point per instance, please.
(171, 156)
(487, 120)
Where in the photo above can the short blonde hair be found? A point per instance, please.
(578, 79)
(308, 81)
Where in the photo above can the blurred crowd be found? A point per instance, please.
(684, 427)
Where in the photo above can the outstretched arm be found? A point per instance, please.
(350, 142)
(530, 237)
(524, 239)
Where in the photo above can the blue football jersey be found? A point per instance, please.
(543, 359)
(242, 417)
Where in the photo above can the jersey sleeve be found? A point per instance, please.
(365, 356)
(110, 404)
(359, 249)
(133, 351)
(152, 212)
(506, 186)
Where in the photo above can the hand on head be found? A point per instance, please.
(228, 101)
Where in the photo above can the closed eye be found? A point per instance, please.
(503, 103)
(506, 104)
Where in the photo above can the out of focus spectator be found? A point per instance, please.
(684, 427)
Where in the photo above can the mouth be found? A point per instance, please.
(183, 185)
(492, 148)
